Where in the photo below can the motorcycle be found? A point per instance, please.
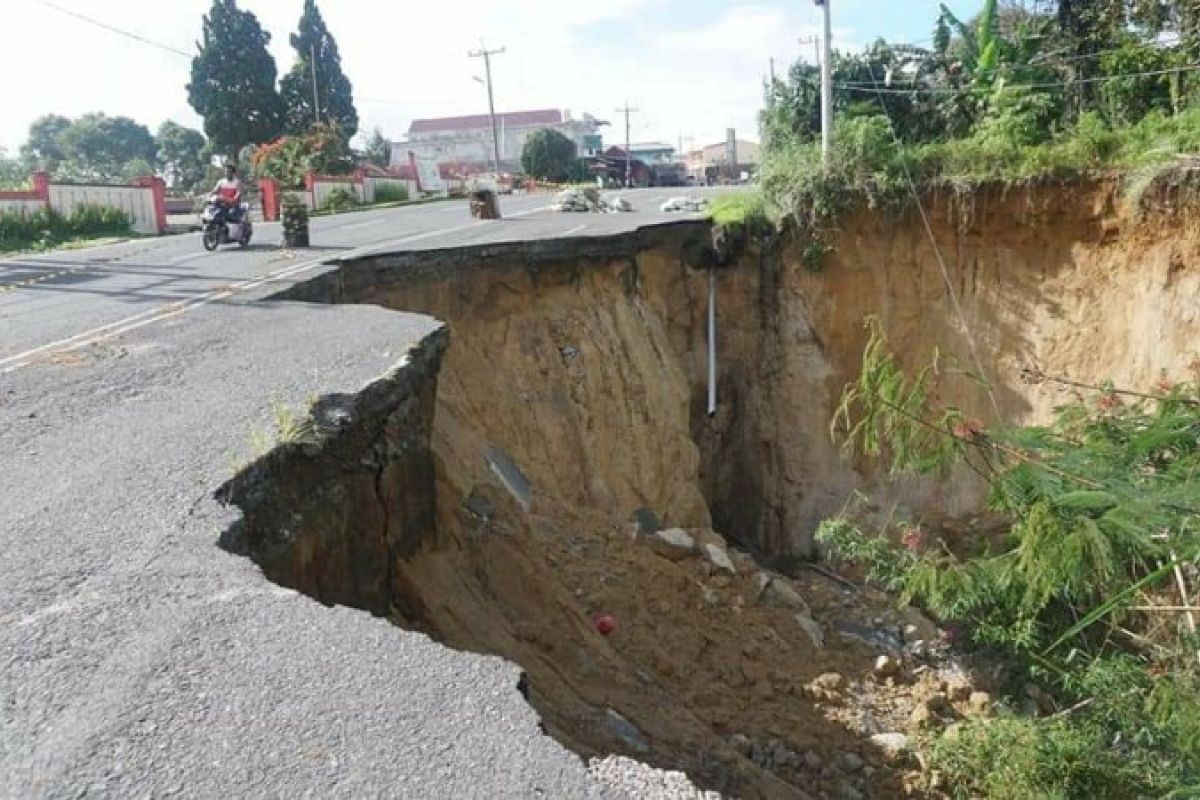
(219, 229)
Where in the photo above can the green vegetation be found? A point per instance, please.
(333, 90)
(744, 210)
(233, 81)
(390, 193)
(378, 150)
(337, 201)
(44, 228)
(1064, 90)
(286, 159)
(1103, 511)
(549, 156)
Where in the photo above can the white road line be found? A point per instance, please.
(530, 211)
(112, 329)
(104, 332)
(366, 224)
(576, 229)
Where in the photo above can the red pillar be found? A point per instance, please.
(159, 187)
(41, 185)
(270, 198)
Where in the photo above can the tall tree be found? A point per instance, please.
(12, 173)
(379, 149)
(98, 147)
(181, 154)
(233, 80)
(44, 148)
(316, 51)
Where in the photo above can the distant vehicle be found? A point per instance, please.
(670, 175)
(219, 230)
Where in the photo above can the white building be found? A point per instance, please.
(468, 140)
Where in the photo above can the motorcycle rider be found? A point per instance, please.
(229, 194)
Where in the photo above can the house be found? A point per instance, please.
(611, 165)
(468, 139)
(653, 153)
(711, 163)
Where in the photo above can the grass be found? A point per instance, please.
(45, 228)
(390, 193)
(746, 209)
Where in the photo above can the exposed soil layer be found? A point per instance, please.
(510, 496)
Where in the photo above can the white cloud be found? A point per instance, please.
(689, 77)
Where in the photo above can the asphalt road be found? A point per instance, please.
(137, 659)
(69, 299)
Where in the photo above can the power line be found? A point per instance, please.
(112, 29)
(863, 87)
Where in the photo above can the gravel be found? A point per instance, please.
(626, 778)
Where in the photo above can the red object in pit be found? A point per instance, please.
(604, 624)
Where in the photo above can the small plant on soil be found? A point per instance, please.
(1080, 593)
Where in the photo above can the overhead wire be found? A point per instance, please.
(941, 260)
(113, 29)
(863, 86)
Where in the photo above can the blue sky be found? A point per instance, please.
(693, 67)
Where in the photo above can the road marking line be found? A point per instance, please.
(366, 224)
(530, 211)
(112, 329)
(103, 332)
(576, 229)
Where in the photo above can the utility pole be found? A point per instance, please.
(486, 55)
(312, 62)
(815, 41)
(826, 83)
(628, 155)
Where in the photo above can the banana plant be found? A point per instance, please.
(981, 45)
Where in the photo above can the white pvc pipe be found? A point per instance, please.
(712, 341)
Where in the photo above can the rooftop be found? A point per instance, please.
(511, 119)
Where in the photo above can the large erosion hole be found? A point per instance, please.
(491, 492)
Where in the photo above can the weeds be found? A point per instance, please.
(1102, 506)
(46, 228)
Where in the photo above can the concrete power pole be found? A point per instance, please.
(628, 155)
(486, 55)
(826, 83)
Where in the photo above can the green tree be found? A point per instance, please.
(12, 172)
(548, 155)
(233, 80)
(379, 149)
(181, 154)
(98, 147)
(43, 150)
(334, 95)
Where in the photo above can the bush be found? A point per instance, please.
(45, 228)
(746, 210)
(338, 200)
(391, 193)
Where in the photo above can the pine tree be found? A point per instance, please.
(233, 80)
(334, 95)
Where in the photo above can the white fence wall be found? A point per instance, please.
(25, 206)
(136, 201)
